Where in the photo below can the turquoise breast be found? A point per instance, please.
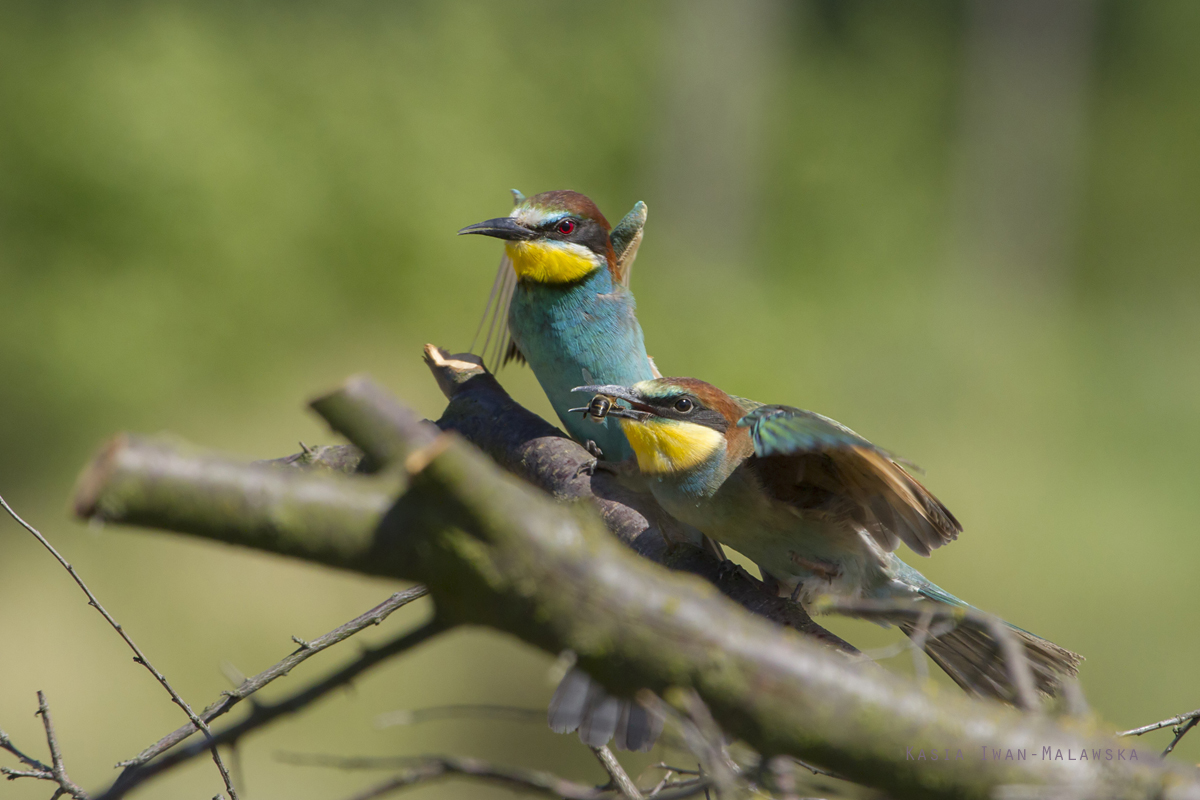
(564, 330)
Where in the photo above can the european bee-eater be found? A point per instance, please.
(562, 302)
(811, 502)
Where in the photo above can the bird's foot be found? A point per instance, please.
(589, 467)
(822, 569)
(727, 569)
(597, 461)
(795, 598)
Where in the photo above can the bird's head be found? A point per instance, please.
(553, 237)
(672, 424)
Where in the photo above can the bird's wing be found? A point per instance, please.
(498, 346)
(626, 238)
(820, 466)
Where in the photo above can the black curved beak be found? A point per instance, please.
(501, 228)
(638, 410)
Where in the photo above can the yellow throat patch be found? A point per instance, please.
(562, 262)
(665, 446)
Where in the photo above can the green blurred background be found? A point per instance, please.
(970, 231)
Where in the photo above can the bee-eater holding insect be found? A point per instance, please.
(811, 502)
(562, 303)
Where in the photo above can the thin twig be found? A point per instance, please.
(1166, 723)
(56, 771)
(251, 685)
(1016, 662)
(261, 715)
(669, 768)
(435, 767)
(658, 787)
(431, 768)
(29, 761)
(57, 768)
(1180, 732)
(620, 779)
(1012, 652)
(920, 666)
(1180, 725)
(138, 656)
(701, 735)
(416, 716)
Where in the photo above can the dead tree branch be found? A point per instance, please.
(494, 552)
(922, 615)
(437, 767)
(138, 655)
(425, 769)
(533, 449)
(262, 715)
(251, 685)
(619, 777)
(57, 768)
(55, 771)
(1180, 726)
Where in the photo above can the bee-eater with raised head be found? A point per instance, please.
(811, 502)
(562, 302)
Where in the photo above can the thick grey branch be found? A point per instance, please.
(494, 552)
(533, 449)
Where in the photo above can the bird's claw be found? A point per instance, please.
(593, 465)
(597, 462)
(727, 569)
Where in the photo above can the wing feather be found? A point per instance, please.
(820, 466)
(626, 238)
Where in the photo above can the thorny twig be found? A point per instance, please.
(65, 786)
(421, 769)
(138, 656)
(36, 768)
(56, 771)
(701, 735)
(620, 779)
(1016, 661)
(261, 715)
(462, 711)
(920, 665)
(1180, 732)
(1166, 723)
(432, 768)
(251, 685)
(1180, 725)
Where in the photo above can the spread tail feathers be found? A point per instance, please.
(579, 703)
(972, 657)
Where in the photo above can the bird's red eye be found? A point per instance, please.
(566, 227)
